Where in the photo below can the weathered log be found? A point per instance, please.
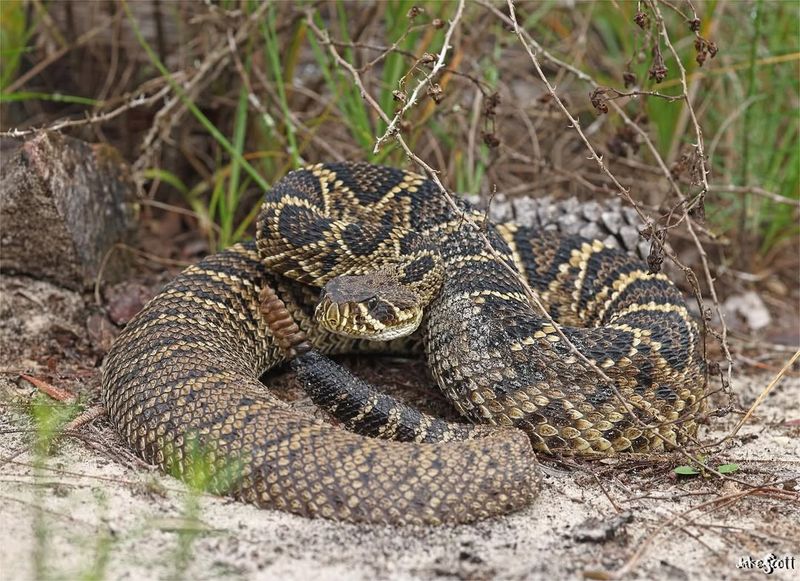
(64, 204)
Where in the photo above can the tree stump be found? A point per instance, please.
(64, 204)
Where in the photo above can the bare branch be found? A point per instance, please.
(138, 101)
(758, 191)
(412, 100)
(698, 131)
(324, 38)
(763, 395)
(214, 63)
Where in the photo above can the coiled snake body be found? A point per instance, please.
(182, 378)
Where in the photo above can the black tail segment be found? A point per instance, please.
(366, 411)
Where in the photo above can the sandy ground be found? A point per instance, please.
(90, 510)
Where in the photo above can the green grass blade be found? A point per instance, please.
(55, 97)
(231, 201)
(166, 177)
(13, 37)
(273, 51)
(201, 118)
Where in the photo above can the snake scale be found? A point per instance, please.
(182, 379)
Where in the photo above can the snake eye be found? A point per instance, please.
(373, 303)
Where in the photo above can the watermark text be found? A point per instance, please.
(769, 563)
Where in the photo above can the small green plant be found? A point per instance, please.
(203, 469)
(351, 107)
(54, 97)
(13, 38)
(103, 544)
(273, 50)
(225, 205)
(49, 417)
(687, 470)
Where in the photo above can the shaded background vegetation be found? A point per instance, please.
(213, 101)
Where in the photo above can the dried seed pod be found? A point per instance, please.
(629, 79)
(427, 58)
(414, 11)
(598, 100)
(490, 139)
(435, 92)
(658, 70)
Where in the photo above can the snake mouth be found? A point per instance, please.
(369, 320)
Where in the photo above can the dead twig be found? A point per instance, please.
(762, 396)
(604, 168)
(138, 101)
(172, 112)
(758, 191)
(57, 393)
(438, 65)
(717, 503)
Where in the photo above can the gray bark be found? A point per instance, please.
(64, 204)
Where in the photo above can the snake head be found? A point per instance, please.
(369, 306)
